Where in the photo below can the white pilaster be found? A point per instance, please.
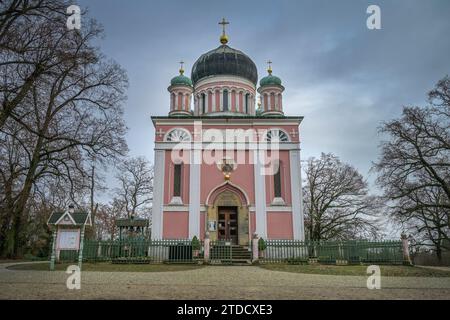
(297, 195)
(260, 195)
(194, 194)
(158, 195)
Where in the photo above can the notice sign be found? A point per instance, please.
(68, 239)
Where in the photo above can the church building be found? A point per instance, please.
(205, 184)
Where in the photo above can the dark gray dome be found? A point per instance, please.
(224, 61)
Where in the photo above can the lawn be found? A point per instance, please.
(387, 271)
(109, 267)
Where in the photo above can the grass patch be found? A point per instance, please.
(109, 267)
(387, 271)
(2, 261)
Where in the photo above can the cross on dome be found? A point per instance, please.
(224, 37)
(269, 67)
(181, 67)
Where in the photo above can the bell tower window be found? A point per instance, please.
(203, 103)
(246, 103)
(225, 100)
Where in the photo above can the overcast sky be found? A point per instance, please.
(342, 77)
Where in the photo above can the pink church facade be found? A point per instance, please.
(224, 167)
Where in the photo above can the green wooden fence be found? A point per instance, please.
(135, 251)
(333, 252)
(222, 252)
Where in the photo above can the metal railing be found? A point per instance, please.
(223, 252)
(140, 251)
(332, 252)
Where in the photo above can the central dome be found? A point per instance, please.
(224, 61)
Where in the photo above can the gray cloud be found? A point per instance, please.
(344, 78)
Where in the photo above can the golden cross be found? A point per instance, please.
(269, 69)
(181, 66)
(224, 23)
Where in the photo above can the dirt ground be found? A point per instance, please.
(214, 282)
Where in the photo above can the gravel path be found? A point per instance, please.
(214, 282)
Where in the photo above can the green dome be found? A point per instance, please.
(270, 80)
(181, 80)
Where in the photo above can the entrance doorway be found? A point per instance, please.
(228, 224)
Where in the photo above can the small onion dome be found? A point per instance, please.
(181, 80)
(270, 80)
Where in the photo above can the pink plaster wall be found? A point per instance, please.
(212, 177)
(279, 225)
(285, 180)
(233, 101)
(175, 225)
(168, 179)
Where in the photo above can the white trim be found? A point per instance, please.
(215, 79)
(296, 195)
(64, 214)
(278, 201)
(158, 195)
(241, 146)
(278, 209)
(245, 121)
(176, 201)
(175, 208)
(260, 198)
(194, 194)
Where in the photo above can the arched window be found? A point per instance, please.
(277, 182)
(203, 103)
(276, 135)
(177, 180)
(178, 135)
(247, 98)
(225, 100)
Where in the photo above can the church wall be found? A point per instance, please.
(285, 180)
(279, 225)
(211, 177)
(175, 225)
(168, 180)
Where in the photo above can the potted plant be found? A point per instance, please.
(196, 245)
(261, 247)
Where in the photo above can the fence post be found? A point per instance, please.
(81, 246)
(53, 255)
(405, 248)
(255, 251)
(206, 248)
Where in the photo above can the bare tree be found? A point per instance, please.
(72, 114)
(105, 224)
(336, 201)
(414, 167)
(135, 189)
(34, 43)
